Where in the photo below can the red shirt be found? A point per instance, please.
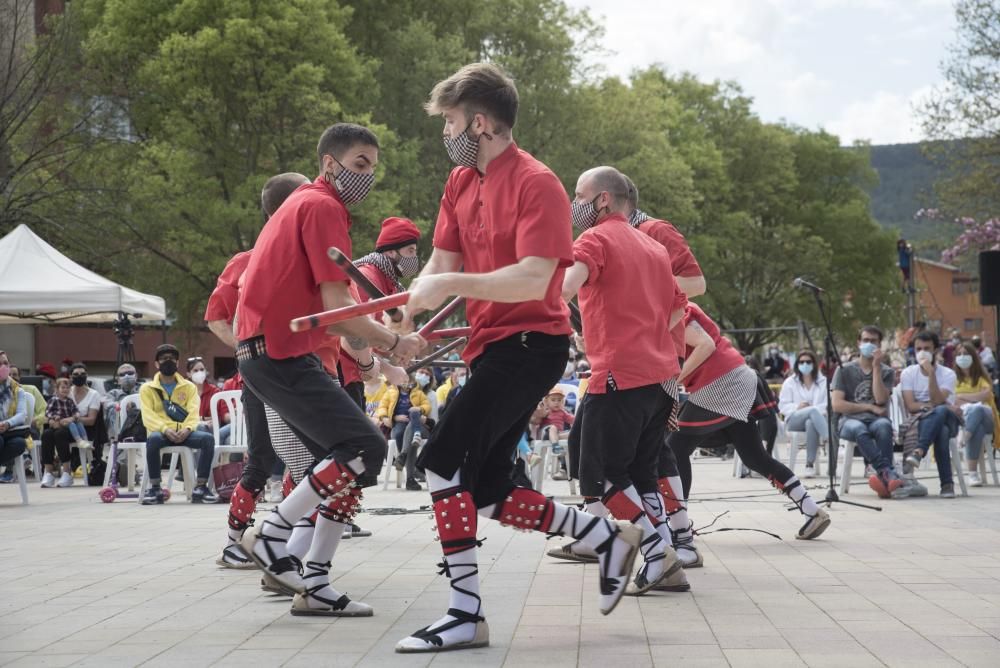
(234, 383)
(558, 418)
(222, 303)
(722, 361)
(348, 366)
(681, 259)
(205, 407)
(626, 320)
(289, 262)
(517, 209)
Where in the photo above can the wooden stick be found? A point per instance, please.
(440, 316)
(436, 355)
(361, 280)
(327, 318)
(449, 333)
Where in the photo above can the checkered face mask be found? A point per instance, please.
(463, 149)
(408, 266)
(584, 214)
(637, 218)
(352, 186)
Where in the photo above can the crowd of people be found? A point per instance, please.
(647, 378)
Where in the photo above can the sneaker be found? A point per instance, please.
(947, 490)
(48, 480)
(202, 494)
(234, 557)
(913, 487)
(814, 526)
(413, 485)
(560, 475)
(7, 477)
(973, 479)
(878, 486)
(274, 494)
(913, 460)
(65, 480)
(810, 471)
(354, 531)
(153, 495)
(575, 551)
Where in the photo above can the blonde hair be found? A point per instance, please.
(62, 381)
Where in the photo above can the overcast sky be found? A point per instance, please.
(853, 67)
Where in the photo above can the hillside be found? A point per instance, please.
(906, 184)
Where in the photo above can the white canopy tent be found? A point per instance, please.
(38, 284)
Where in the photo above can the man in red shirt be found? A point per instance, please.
(261, 457)
(631, 356)
(395, 257)
(505, 220)
(289, 276)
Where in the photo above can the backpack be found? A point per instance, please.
(133, 429)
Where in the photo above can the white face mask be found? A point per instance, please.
(198, 377)
(963, 361)
(924, 356)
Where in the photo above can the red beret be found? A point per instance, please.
(396, 233)
(46, 370)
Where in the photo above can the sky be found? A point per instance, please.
(856, 68)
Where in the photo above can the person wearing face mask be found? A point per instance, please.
(127, 382)
(933, 419)
(861, 392)
(59, 438)
(290, 275)
(198, 375)
(502, 241)
(974, 395)
(169, 405)
(803, 403)
(14, 416)
(394, 258)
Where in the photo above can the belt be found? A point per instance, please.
(251, 349)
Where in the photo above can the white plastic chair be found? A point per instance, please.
(986, 454)
(238, 441)
(130, 448)
(390, 466)
(22, 479)
(36, 449)
(796, 441)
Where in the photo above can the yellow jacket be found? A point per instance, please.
(965, 387)
(372, 401)
(388, 404)
(442, 392)
(185, 395)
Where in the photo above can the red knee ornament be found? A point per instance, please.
(241, 506)
(333, 480)
(671, 500)
(343, 508)
(455, 516)
(622, 507)
(525, 509)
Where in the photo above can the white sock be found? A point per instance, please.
(302, 536)
(678, 518)
(652, 502)
(597, 509)
(316, 566)
(801, 497)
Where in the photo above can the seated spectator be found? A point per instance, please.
(555, 425)
(458, 378)
(198, 374)
(569, 374)
(374, 392)
(62, 410)
(126, 383)
(445, 385)
(929, 397)
(803, 402)
(38, 416)
(59, 436)
(14, 418)
(948, 351)
(774, 364)
(404, 410)
(170, 413)
(985, 356)
(48, 374)
(861, 397)
(974, 396)
(427, 383)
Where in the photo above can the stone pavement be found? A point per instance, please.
(89, 584)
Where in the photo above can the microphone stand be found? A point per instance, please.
(832, 358)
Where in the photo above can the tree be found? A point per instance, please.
(967, 109)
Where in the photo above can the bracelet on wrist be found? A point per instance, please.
(394, 343)
(366, 367)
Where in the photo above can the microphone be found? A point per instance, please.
(803, 283)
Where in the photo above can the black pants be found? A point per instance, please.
(767, 427)
(623, 439)
(746, 440)
(261, 458)
(575, 439)
(11, 447)
(356, 391)
(483, 424)
(56, 440)
(317, 410)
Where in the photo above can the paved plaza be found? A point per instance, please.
(89, 584)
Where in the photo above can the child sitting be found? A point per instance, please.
(403, 411)
(557, 421)
(63, 410)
